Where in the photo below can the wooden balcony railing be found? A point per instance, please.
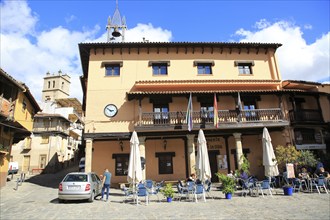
(305, 115)
(51, 129)
(148, 119)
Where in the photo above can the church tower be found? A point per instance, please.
(56, 86)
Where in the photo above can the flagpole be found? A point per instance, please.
(215, 112)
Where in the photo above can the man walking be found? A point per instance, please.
(106, 183)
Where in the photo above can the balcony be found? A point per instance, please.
(53, 130)
(305, 116)
(309, 141)
(6, 108)
(227, 119)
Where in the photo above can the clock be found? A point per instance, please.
(110, 110)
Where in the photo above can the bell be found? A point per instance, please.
(116, 33)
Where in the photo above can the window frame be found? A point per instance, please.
(158, 68)
(124, 164)
(207, 112)
(161, 116)
(112, 69)
(204, 69)
(244, 67)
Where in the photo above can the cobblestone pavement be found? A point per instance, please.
(36, 198)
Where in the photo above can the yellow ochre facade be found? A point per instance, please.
(148, 85)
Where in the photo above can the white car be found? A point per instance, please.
(79, 186)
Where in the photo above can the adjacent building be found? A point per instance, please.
(57, 130)
(17, 110)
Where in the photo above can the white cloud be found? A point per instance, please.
(28, 56)
(297, 59)
(16, 17)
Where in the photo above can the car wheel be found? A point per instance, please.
(92, 197)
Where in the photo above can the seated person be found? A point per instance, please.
(303, 174)
(243, 175)
(230, 174)
(323, 173)
(191, 178)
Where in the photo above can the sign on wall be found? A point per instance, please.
(222, 162)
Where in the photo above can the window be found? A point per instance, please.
(23, 105)
(161, 113)
(165, 162)
(244, 69)
(121, 164)
(53, 84)
(159, 69)
(44, 140)
(48, 84)
(204, 68)
(42, 161)
(112, 70)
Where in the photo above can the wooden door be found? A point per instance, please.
(26, 163)
(213, 164)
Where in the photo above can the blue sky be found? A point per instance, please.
(43, 35)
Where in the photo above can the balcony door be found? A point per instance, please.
(250, 113)
(207, 112)
(161, 114)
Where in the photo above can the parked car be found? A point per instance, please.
(79, 186)
(82, 165)
(12, 168)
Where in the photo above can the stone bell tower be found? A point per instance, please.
(56, 86)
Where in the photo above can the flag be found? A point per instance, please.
(215, 112)
(239, 103)
(239, 108)
(189, 114)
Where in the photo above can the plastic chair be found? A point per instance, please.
(208, 188)
(142, 192)
(320, 183)
(191, 188)
(182, 192)
(149, 184)
(128, 193)
(265, 185)
(247, 186)
(298, 183)
(199, 191)
(152, 190)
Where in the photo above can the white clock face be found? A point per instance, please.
(110, 110)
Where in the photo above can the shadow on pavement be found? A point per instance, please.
(51, 180)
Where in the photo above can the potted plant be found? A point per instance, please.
(228, 184)
(168, 192)
(285, 155)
